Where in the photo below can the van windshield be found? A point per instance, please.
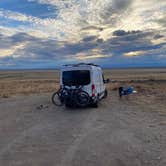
(76, 77)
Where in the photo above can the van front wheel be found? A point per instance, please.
(105, 94)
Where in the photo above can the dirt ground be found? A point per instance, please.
(127, 132)
(118, 133)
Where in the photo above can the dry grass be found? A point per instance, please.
(27, 87)
(150, 87)
(27, 82)
(148, 82)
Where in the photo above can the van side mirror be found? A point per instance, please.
(107, 81)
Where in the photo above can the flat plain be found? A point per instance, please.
(121, 132)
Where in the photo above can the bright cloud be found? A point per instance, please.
(84, 57)
(11, 51)
(135, 53)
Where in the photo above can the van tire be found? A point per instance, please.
(68, 105)
(94, 105)
(105, 94)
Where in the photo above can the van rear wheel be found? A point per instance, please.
(94, 105)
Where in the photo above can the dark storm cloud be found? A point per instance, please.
(21, 37)
(35, 47)
(93, 28)
(72, 49)
(133, 41)
(89, 38)
(42, 49)
(121, 4)
(114, 11)
(158, 36)
(123, 33)
(38, 48)
(49, 50)
(99, 41)
(162, 21)
(128, 41)
(5, 42)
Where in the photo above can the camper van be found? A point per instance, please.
(89, 76)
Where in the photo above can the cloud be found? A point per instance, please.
(72, 16)
(34, 51)
(134, 53)
(76, 19)
(88, 57)
(162, 21)
(92, 28)
(31, 8)
(54, 28)
(158, 36)
(55, 31)
(123, 33)
(89, 38)
(16, 16)
(121, 4)
(10, 52)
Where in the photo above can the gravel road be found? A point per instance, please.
(118, 133)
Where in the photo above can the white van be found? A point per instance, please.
(89, 76)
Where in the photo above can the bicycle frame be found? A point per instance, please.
(68, 95)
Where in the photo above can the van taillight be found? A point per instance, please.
(93, 90)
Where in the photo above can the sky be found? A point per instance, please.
(112, 33)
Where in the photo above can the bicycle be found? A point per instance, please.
(69, 97)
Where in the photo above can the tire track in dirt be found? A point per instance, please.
(87, 129)
(19, 138)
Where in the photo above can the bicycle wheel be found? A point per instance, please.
(82, 99)
(56, 99)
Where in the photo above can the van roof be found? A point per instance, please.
(81, 64)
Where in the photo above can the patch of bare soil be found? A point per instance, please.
(127, 132)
